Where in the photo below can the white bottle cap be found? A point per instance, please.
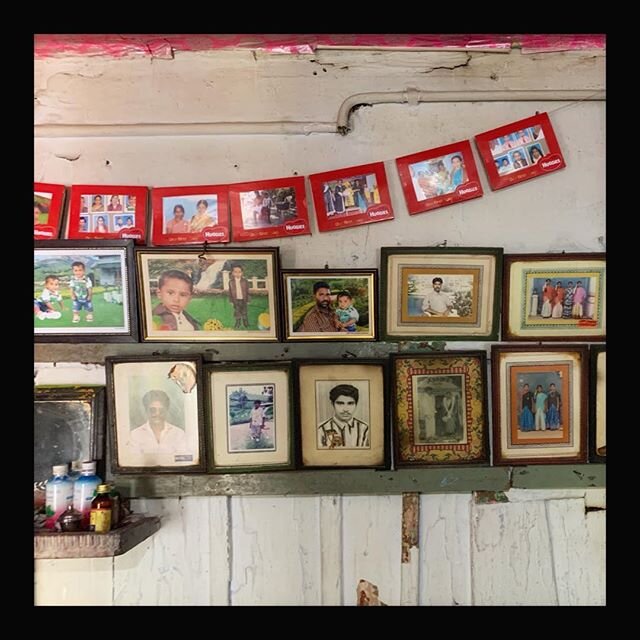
(60, 469)
(89, 466)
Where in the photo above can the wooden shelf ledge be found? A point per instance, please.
(49, 545)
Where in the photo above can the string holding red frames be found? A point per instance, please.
(190, 215)
(519, 151)
(439, 177)
(99, 212)
(48, 203)
(268, 209)
(351, 196)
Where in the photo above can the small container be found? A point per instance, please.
(59, 494)
(70, 520)
(84, 490)
(100, 519)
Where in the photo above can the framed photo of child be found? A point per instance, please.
(268, 209)
(190, 215)
(249, 416)
(439, 177)
(216, 296)
(540, 404)
(351, 196)
(330, 305)
(99, 212)
(48, 204)
(155, 414)
(519, 151)
(84, 292)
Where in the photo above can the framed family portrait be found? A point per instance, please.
(215, 296)
(440, 402)
(249, 416)
(554, 296)
(155, 411)
(48, 204)
(540, 404)
(598, 396)
(99, 212)
(84, 292)
(519, 151)
(330, 305)
(440, 293)
(343, 413)
(68, 428)
(269, 209)
(351, 196)
(190, 215)
(439, 177)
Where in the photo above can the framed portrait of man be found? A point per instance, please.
(155, 414)
(342, 414)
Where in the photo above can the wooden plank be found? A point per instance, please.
(511, 560)
(74, 582)
(410, 552)
(276, 551)
(331, 549)
(445, 549)
(578, 543)
(372, 546)
(559, 476)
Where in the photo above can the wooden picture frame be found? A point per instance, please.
(211, 304)
(48, 207)
(155, 414)
(541, 296)
(250, 416)
(529, 428)
(440, 293)
(351, 296)
(598, 409)
(84, 291)
(343, 413)
(440, 408)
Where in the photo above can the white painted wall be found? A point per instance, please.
(539, 548)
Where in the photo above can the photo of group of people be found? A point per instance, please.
(107, 213)
(540, 406)
(268, 207)
(519, 150)
(438, 176)
(570, 297)
(351, 195)
(440, 406)
(189, 213)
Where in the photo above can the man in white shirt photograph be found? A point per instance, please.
(437, 303)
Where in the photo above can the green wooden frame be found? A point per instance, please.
(209, 426)
(594, 351)
(385, 280)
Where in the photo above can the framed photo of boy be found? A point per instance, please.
(155, 412)
(190, 215)
(216, 296)
(443, 293)
(540, 404)
(519, 151)
(439, 177)
(598, 405)
(48, 203)
(268, 209)
(249, 416)
(343, 413)
(99, 212)
(84, 291)
(351, 196)
(330, 305)
(440, 402)
(554, 296)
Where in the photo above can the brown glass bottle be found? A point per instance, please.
(101, 506)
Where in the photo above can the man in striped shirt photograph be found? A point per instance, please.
(343, 429)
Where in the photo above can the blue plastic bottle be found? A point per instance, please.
(59, 494)
(83, 491)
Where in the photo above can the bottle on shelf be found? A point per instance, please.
(59, 494)
(100, 518)
(84, 490)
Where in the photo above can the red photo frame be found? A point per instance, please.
(351, 196)
(268, 209)
(190, 215)
(99, 212)
(439, 177)
(48, 202)
(519, 151)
